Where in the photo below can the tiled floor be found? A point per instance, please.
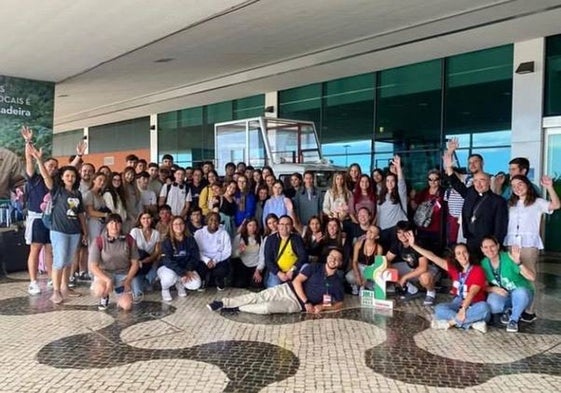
(184, 347)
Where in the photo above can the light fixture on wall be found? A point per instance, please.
(525, 68)
(270, 109)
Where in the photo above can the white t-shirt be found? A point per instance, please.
(148, 197)
(524, 224)
(145, 244)
(178, 196)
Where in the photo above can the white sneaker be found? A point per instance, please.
(33, 288)
(440, 324)
(480, 326)
(50, 284)
(166, 296)
(181, 292)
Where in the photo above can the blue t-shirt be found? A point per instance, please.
(319, 284)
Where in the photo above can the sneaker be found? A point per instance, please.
(84, 277)
(138, 298)
(50, 284)
(166, 296)
(72, 282)
(202, 287)
(429, 300)
(512, 327)
(410, 296)
(103, 303)
(220, 288)
(181, 292)
(528, 318)
(505, 318)
(440, 324)
(480, 326)
(215, 305)
(33, 288)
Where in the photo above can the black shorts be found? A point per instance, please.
(39, 233)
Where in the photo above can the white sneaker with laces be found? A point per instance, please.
(33, 288)
(480, 326)
(166, 296)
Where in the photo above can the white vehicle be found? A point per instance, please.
(287, 146)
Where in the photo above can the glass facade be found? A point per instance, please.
(411, 111)
(121, 136)
(64, 144)
(552, 90)
(188, 134)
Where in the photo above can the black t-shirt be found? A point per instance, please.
(405, 254)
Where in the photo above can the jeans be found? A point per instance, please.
(518, 299)
(476, 312)
(64, 248)
(217, 274)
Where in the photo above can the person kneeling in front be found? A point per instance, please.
(317, 288)
(113, 260)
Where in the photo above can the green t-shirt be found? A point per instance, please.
(508, 273)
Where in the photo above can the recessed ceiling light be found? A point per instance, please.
(164, 60)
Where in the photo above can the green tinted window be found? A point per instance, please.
(553, 76)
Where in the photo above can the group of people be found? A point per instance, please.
(186, 229)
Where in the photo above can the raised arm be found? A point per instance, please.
(38, 154)
(441, 262)
(547, 182)
(27, 134)
(80, 149)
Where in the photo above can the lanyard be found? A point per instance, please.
(463, 279)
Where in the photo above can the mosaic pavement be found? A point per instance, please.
(182, 346)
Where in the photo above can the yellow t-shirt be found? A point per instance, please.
(288, 257)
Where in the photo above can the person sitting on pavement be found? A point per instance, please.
(215, 249)
(468, 308)
(315, 289)
(364, 254)
(284, 253)
(412, 267)
(180, 257)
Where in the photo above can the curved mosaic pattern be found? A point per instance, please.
(249, 365)
(401, 359)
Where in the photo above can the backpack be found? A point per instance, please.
(423, 214)
(130, 241)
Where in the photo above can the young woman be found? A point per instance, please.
(364, 254)
(257, 181)
(245, 249)
(180, 257)
(147, 240)
(313, 237)
(228, 208)
(377, 180)
(353, 175)
(261, 198)
(335, 238)
(524, 216)
(468, 308)
(113, 260)
(68, 223)
(511, 290)
(431, 235)
(114, 196)
(363, 196)
(392, 204)
(132, 196)
(245, 201)
(96, 209)
(278, 203)
(337, 199)
(271, 226)
(207, 195)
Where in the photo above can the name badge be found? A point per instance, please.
(327, 299)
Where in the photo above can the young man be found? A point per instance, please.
(196, 186)
(141, 165)
(516, 166)
(164, 220)
(167, 161)
(147, 196)
(154, 182)
(285, 254)
(215, 247)
(176, 195)
(412, 267)
(131, 160)
(196, 220)
(317, 288)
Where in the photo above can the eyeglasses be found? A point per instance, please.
(433, 179)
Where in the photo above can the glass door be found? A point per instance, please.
(553, 169)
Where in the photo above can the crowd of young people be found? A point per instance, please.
(187, 229)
